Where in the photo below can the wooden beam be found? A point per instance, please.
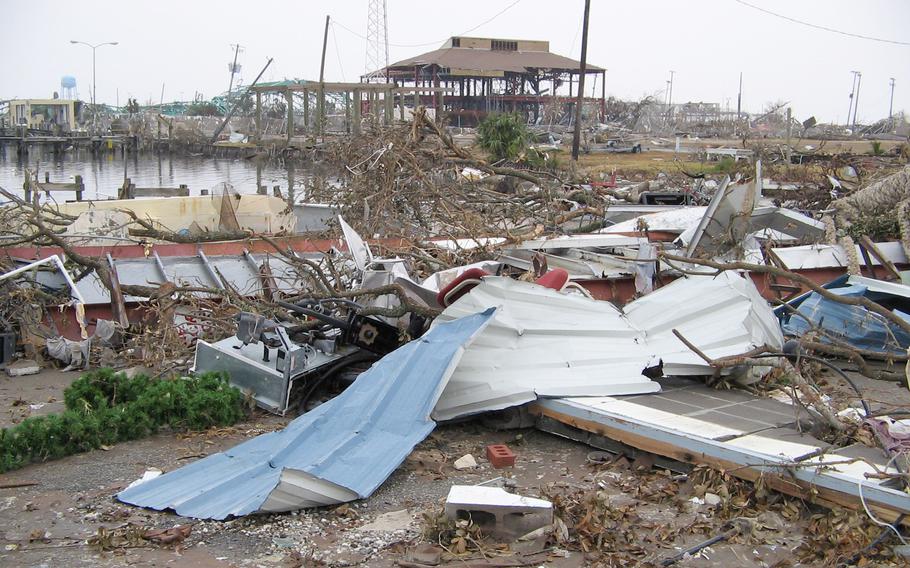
(329, 87)
(866, 243)
(782, 482)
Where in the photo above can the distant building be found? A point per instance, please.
(43, 113)
(499, 75)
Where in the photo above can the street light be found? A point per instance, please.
(859, 82)
(94, 47)
(852, 94)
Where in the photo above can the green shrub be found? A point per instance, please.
(504, 136)
(202, 108)
(726, 165)
(877, 148)
(103, 408)
(103, 387)
(877, 227)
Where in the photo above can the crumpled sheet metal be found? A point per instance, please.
(854, 324)
(340, 451)
(544, 343)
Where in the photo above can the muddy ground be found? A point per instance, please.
(64, 503)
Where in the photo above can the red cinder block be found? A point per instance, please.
(500, 456)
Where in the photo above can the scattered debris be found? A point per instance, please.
(340, 451)
(500, 456)
(466, 461)
(148, 475)
(22, 368)
(626, 310)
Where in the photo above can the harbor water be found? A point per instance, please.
(103, 174)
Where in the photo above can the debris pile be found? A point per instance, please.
(715, 345)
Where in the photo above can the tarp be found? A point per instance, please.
(340, 451)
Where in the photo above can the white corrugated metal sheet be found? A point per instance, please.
(581, 241)
(675, 221)
(833, 256)
(550, 344)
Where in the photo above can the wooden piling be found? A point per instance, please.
(355, 121)
(289, 97)
(258, 117)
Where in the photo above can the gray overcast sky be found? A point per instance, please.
(186, 45)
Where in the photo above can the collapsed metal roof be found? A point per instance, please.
(338, 452)
(544, 343)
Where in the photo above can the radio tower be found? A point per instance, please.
(377, 42)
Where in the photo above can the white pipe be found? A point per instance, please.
(80, 303)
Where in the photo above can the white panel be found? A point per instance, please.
(547, 343)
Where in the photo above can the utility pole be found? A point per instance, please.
(852, 93)
(891, 104)
(739, 96)
(325, 39)
(320, 104)
(859, 81)
(671, 87)
(242, 98)
(237, 47)
(581, 81)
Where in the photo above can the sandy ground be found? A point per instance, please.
(48, 523)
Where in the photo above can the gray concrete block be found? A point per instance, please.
(498, 513)
(23, 367)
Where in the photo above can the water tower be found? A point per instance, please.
(68, 87)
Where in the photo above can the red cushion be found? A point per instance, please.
(555, 279)
(469, 274)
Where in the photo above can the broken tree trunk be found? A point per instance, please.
(879, 198)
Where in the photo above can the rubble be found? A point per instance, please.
(22, 368)
(630, 313)
(466, 461)
(341, 451)
(496, 512)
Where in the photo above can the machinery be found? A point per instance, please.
(282, 374)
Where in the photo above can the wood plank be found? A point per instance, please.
(160, 191)
(44, 186)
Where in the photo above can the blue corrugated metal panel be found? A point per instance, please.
(854, 324)
(354, 441)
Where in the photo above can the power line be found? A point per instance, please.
(437, 42)
(818, 27)
(337, 53)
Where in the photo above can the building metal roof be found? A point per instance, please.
(241, 272)
(544, 343)
(467, 61)
(340, 451)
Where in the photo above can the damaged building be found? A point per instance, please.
(487, 75)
